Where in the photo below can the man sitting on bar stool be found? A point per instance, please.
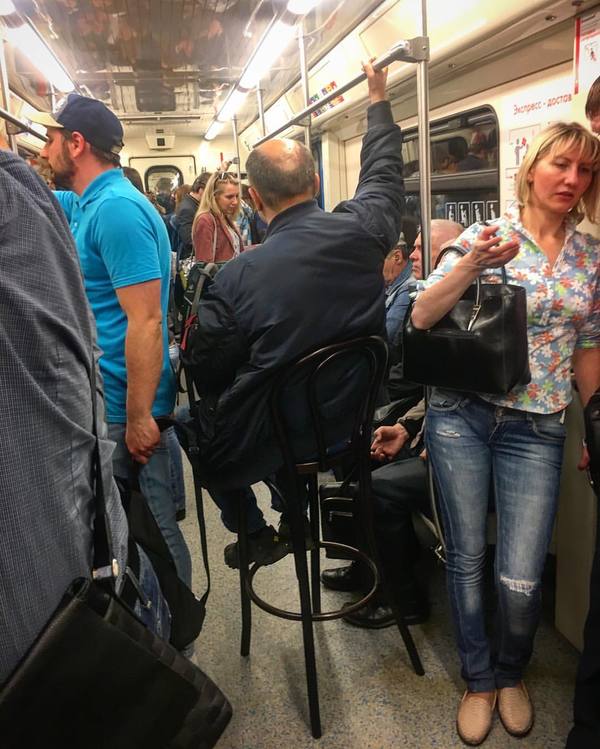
(315, 280)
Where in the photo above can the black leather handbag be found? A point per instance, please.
(479, 346)
(97, 678)
(591, 414)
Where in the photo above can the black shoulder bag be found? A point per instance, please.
(480, 345)
(97, 678)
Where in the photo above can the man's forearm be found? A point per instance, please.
(143, 356)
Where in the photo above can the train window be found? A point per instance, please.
(464, 168)
(163, 178)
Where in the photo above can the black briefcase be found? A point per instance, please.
(338, 523)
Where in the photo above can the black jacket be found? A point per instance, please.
(185, 218)
(316, 279)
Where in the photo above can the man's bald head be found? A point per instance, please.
(442, 232)
(280, 171)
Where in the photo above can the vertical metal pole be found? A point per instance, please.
(237, 146)
(5, 93)
(304, 80)
(425, 190)
(261, 110)
(424, 150)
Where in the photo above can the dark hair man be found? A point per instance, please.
(125, 257)
(586, 730)
(315, 279)
(185, 214)
(47, 348)
(592, 106)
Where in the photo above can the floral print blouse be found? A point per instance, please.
(563, 308)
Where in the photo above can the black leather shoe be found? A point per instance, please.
(379, 615)
(345, 578)
(264, 547)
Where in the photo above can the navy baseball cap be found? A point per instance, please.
(90, 117)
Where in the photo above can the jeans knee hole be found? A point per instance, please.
(526, 587)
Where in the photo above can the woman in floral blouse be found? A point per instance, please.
(515, 442)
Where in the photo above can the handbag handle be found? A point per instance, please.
(477, 306)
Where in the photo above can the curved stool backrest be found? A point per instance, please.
(322, 405)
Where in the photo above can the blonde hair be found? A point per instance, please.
(208, 201)
(558, 139)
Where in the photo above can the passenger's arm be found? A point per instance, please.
(586, 365)
(143, 358)
(379, 197)
(203, 238)
(488, 252)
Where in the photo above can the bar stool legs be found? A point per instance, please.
(315, 558)
(296, 519)
(243, 559)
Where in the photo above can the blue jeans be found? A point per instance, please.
(155, 483)
(471, 443)
(154, 611)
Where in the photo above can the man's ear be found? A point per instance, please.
(317, 185)
(257, 200)
(77, 144)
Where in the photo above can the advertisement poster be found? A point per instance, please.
(586, 57)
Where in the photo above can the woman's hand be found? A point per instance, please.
(489, 251)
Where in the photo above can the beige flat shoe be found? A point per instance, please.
(515, 709)
(474, 719)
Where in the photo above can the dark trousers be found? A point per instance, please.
(585, 734)
(399, 489)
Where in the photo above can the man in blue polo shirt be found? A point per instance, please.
(125, 258)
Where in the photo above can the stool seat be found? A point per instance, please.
(321, 409)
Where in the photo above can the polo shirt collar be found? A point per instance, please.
(98, 184)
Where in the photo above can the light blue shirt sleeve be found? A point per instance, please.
(127, 242)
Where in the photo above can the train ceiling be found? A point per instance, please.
(177, 58)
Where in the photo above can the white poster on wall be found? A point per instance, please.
(586, 56)
(525, 112)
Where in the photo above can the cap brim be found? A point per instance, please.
(45, 119)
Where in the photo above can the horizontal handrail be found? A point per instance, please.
(22, 126)
(408, 50)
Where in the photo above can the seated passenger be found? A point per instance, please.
(442, 232)
(397, 275)
(215, 235)
(316, 279)
(475, 158)
(399, 490)
(515, 440)
(46, 435)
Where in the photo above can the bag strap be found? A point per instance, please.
(104, 561)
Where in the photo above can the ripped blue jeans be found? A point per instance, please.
(474, 446)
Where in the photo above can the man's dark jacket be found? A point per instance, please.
(185, 218)
(315, 280)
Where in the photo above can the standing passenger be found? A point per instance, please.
(185, 212)
(314, 280)
(126, 261)
(515, 440)
(586, 730)
(215, 235)
(47, 349)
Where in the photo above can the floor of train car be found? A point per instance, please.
(370, 697)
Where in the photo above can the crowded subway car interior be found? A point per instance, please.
(372, 567)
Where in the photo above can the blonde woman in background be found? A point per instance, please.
(215, 235)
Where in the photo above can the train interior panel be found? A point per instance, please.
(197, 85)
